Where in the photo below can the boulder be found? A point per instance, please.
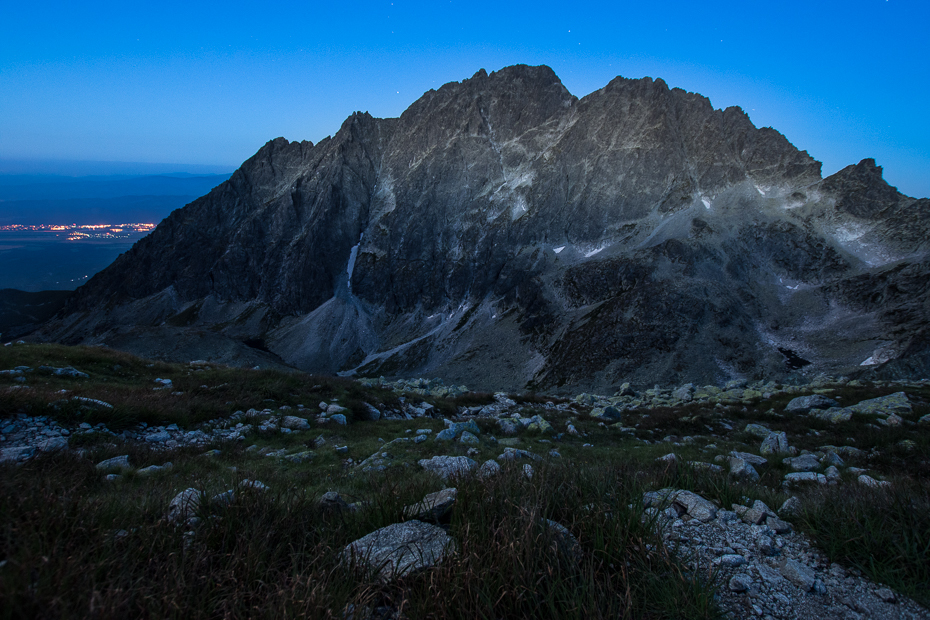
(16, 455)
(805, 462)
(754, 515)
(469, 439)
(400, 549)
(294, 423)
(775, 443)
(607, 413)
(489, 469)
(513, 454)
(434, 507)
(455, 430)
(448, 466)
(563, 541)
(790, 508)
(872, 482)
(757, 430)
(53, 444)
(803, 404)
(884, 405)
(752, 459)
(154, 469)
(117, 463)
(799, 574)
(371, 413)
(834, 415)
(331, 502)
(695, 506)
(538, 425)
(804, 477)
(739, 468)
(183, 508)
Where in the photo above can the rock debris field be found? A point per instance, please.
(780, 439)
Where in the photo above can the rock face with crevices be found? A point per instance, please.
(506, 234)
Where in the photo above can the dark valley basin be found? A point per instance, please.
(39, 260)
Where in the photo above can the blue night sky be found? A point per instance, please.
(209, 83)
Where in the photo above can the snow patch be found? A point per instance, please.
(593, 252)
(706, 203)
(870, 361)
(353, 254)
(558, 249)
(850, 232)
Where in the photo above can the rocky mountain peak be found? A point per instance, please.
(503, 233)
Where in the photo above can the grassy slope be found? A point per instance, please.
(277, 554)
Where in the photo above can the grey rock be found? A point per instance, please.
(508, 427)
(254, 485)
(758, 430)
(184, 506)
(872, 482)
(752, 459)
(469, 439)
(834, 415)
(299, 457)
(154, 469)
(775, 443)
(295, 423)
(400, 549)
(158, 437)
(769, 575)
(67, 371)
(17, 454)
(803, 404)
(739, 583)
(53, 444)
(489, 469)
(695, 506)
(339, 419)
(372, 413)
(741, 469)
(448, 466)
(563, 541)
(730, 560)
(514, 454)
(434, 507)
(608, 413)
(897, 403)
(116, 463)
(777, 525)
(799, 574)
(886, 595)
(332, 502)
(804, 477)
(805, 462)
(335, 409)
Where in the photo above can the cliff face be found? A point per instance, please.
(504, 234)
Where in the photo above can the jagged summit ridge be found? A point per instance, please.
(504, 233)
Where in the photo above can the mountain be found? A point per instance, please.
(504, 234)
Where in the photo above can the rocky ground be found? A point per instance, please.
(777, 438)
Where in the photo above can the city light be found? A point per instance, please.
(84, 232)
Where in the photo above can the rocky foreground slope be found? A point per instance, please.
(758, 474)
(505, 234)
